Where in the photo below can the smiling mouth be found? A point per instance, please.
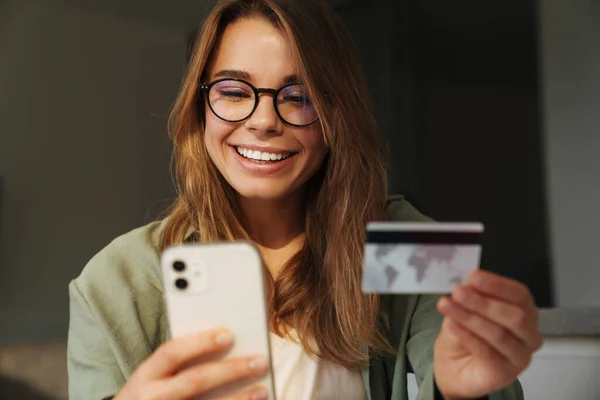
(263, 157)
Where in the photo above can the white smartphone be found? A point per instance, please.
(209, 286)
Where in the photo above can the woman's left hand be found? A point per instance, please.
(488, 336)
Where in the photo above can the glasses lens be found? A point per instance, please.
(231, 100)
(295, 106)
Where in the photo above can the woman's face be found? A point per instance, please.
(257, 52)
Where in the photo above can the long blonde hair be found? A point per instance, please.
(318, 292)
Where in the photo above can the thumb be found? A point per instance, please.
(449, 339)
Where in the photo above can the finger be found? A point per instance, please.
(449, 337)
(257, 393)
(502, 288)
(522, 322)
(174, 354)
(205, 377)
(494, 335)
(481, 349)
(472, 342)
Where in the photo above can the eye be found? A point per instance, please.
(297, 98)
(295, 95)
(234, 93)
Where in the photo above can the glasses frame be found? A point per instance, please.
(206, 87)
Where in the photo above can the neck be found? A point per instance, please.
(273, 224)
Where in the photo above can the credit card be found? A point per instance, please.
(420, 257)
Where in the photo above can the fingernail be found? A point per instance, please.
(444, 303)
(260, 394)
(258, 364)
(224, 338)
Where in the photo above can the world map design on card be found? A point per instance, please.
(420, 258)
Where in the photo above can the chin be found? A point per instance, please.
(262, 190)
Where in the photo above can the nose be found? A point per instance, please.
(264, 120)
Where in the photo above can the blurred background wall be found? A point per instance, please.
(84, 154)
(570, 58)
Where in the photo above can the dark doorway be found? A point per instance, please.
(456, 90)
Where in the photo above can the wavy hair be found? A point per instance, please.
(318, 292)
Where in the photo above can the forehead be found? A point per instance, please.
(256, 46)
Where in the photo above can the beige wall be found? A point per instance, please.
(570, 59)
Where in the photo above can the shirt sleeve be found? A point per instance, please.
(117, 314)
(93, 370)
(424, 327)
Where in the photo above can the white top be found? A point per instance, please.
(300, 376)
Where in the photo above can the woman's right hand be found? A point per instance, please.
(163, 376)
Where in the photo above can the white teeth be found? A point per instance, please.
(257, 155)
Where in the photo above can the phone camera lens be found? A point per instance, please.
(179, 266)
(181, 284)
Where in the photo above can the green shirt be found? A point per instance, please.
(118, 319)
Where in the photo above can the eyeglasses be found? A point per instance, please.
(234, 100)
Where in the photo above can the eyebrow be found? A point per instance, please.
(238, 74)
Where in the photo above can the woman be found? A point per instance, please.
(275, 142)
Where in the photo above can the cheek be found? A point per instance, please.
(313, 142)
(215, 133)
